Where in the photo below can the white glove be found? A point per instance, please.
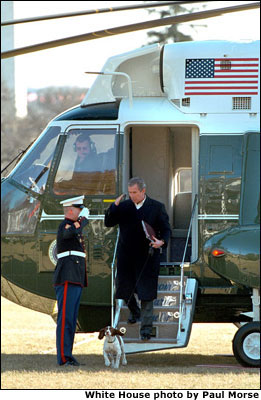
(84, 213)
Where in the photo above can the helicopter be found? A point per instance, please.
(185, 117)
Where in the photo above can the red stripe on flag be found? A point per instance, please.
(236, 59)
(236, 76)
(217, 82)
(235, 70)
(222, 87)
(236, 65)
(216, 93)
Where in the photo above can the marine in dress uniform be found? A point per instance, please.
(137, 267)
(70, 276)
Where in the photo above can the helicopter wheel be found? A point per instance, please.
(246, 344)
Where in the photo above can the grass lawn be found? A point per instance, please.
(29, 359)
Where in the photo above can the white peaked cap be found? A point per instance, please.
(75, 202)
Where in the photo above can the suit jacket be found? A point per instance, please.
(136, 268)
(70, 268)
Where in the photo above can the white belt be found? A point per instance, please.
(71, 253)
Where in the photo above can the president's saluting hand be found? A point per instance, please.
(119, 199)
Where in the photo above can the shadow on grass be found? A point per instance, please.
(149, 362)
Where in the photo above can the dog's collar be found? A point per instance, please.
(112, 340)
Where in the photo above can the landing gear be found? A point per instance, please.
(246, 344)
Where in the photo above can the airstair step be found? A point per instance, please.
(172, 269)
(152, 340)
(166, 300)
(160, 314)
(145, 346)
(169, 284)
(160, 331)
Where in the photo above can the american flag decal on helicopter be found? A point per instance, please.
(221, 76)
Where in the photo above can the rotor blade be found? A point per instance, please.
(128, 28)
(94, 11)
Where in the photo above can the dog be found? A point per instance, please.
(113, 347)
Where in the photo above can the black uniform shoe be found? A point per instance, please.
(145, 336)
(72, 363)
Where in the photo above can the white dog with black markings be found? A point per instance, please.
(113, 347)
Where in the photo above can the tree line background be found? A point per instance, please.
(17, 133)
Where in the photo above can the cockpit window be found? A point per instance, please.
(33, 171)
(88, 163)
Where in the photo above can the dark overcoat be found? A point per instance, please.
(136, 268)
(70, 268)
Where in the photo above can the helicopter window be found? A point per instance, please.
(88, 163)
(34, 169)
(183, 180)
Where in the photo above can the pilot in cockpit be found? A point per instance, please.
(87, 159)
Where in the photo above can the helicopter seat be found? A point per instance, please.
(182, 215)
(107, 160)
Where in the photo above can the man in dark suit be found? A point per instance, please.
(138, 259)
(70, 276)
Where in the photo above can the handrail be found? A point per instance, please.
(119, 304)
(112, 276)
(181, 301)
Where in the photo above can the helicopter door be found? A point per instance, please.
(166, 157)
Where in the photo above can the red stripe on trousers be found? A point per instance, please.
(63, 321)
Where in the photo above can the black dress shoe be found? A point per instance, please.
(145, 336)
(72, 363)
(133, 319)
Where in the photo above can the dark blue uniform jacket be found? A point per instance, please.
(71, 268)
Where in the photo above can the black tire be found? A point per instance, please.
(246, 343)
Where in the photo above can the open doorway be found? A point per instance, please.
(166, 157)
